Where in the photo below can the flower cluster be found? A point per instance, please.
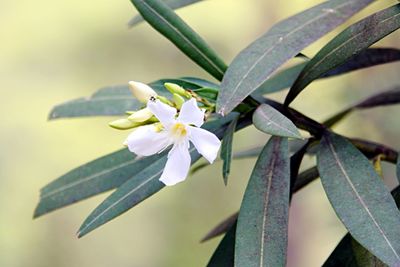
(159, 126)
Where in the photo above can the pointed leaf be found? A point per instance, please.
(95, 177)
(226, 148)
(360, 198)
(225, 252)
(270, 121)
(114, 100)
(221, 228)
(141, 186)
(255, 64)
(351, 41)
(368, 58)
(385, 98)
(173, 4)
(163, 19)
(261, 234)
(350, 253)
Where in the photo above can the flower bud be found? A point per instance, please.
(176, 89)
(141, 91)
(140, 115)
(124, 124)
(178, 100)
(165, 100)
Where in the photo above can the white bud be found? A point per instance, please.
(141, 91)
(140, 115)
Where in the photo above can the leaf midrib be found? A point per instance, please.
(88, 178)
(273, 46)
(337, 160)
(184, 37)
(342, 45)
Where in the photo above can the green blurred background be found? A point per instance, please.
(54, 51)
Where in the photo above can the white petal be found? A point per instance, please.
(191, 114)
(145, 141)
(141, 91)
(164, 113)
(206, 143)
(178, 164)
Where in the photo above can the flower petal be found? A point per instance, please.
(191, 114)
(206, 143)
(178, 164)
(146, 141)
(164, 113)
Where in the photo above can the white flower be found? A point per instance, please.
(148, 140)
(141, 91)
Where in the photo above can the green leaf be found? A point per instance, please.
(351, 41)
(261, 234)
(100, 175)
(222, 227)
(226, 148)
(385, 98)
(224, 254)
(350, 253)
(270, 121)
(141, 186)
(173, 4)
(368, 58)
(164, 20)
(255, 64)
(360, 198)
(115, 100)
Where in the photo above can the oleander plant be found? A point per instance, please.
(173, 122)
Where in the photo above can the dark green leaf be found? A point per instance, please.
(115, 100)
(164, 20)
(348, 43)
(255, 64)
(385, 98)
(261, 234)
(141, 186)
(173, 4)
(368, 58)
(209, 93)
(224, 254)
(226, 148)
(350, 253)
(270, 121)
(360, 198)
(221, 227)
(95, 177)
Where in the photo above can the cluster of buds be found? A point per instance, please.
(144, 93)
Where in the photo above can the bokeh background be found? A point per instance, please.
(54, 51)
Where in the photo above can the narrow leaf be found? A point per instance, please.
(173, 4)
(270, 121)
(224, 254)
(221, 227)
(255, 64)
(398, 168)
(164, 20)
(261, 234)
(114, 100)
(226, 148)
(360, 198)
(368, 58)
(141, 186)
(95, 177)
(351, 41)
(350, 253)
(385, 98)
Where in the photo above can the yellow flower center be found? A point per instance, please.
(179, 130)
